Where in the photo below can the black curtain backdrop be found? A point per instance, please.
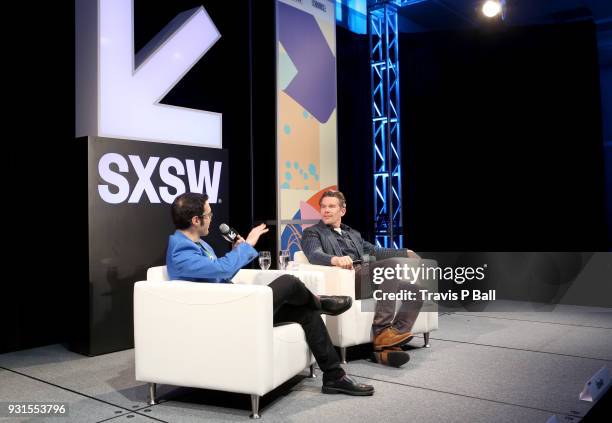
(501, 140)
(263, 121)
(40, 182)
(355, 160)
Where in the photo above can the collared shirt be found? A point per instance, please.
(345, 242)
(207, 250)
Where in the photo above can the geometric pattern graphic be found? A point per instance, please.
(306, 132)
(304, 42)
(298, 138)
(286, 69)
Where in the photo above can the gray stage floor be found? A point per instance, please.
(481, 367)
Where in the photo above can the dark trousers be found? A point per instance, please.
(293, 302)
(384, 313)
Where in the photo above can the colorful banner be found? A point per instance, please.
(306, 130)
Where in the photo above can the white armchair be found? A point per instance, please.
(354, 327)
(216, 336)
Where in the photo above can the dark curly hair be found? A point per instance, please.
(185, 206)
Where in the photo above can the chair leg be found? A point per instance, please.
(255, 407)
(343, 355)
(152, 399)
(312, 374)
(426, 340)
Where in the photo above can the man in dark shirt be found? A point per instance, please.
(332, 243)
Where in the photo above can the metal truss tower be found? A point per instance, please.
(383, 33)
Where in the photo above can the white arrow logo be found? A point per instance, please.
(131, 86)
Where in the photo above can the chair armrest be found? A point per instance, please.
(195, 334)
(158, 273)
(314, 280)
(337, 281)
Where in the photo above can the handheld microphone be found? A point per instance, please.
(229, 234)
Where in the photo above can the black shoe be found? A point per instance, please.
(346, 385)
(335, 304)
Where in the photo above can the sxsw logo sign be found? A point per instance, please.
(118, 91)
(118, 94)
(202, 176)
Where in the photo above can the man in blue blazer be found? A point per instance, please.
(332, 243)
(190, 258)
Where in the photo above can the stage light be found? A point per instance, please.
(492, 8)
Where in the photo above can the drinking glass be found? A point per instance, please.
(264, 260)
(283, 259)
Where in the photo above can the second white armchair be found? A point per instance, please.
(354, 327)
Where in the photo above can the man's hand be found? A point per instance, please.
(255, 233)
(344, 262)
(412, 254)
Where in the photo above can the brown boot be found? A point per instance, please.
(393, 357)
(390, 337)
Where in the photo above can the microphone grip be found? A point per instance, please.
(229, 234)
